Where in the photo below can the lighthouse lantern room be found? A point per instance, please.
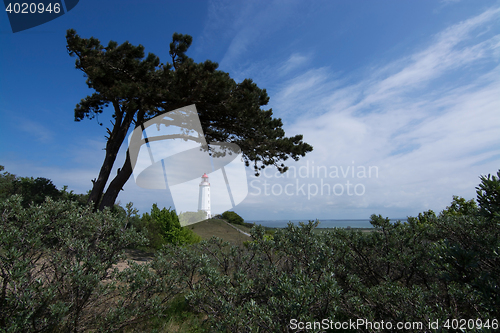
(204, 198)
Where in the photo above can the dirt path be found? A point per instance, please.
(137, 256)
(244, 233)
(142, 257)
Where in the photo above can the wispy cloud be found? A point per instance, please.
(302, 89)
(446, 53)
(243, 24)
(295, 61)
(428, 120)
(34, 130)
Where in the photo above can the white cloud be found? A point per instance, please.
(34, 130)
(244, 23)
(428, 121)
(295, 61)
(446, 53)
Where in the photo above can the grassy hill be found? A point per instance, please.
(218, 228)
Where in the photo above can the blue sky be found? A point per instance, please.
(408, 90)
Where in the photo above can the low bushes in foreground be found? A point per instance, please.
(418, 271)
(162, 226)
(57, 273)
(429, 268)
(57, 270)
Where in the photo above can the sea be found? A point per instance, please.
(362, 223)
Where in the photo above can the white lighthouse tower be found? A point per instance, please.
(204, 198)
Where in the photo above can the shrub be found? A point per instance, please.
(400, 272)
(6, 184)
(163, 227)
(56, 264)
(488, 196)
(56, 270)
(432, 267)
(132, 217)
(31, 190)
(232, 217)
(35, 190)
(460, 207)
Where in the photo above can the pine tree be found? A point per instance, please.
(138, 87)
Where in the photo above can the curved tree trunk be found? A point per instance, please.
(115, 141)
(99, 183)
(116, 185)
(114, 188)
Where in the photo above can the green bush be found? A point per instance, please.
(400, 272)
(432, 267)
(31, 190)
(461, 207)
(232, 217)
(56, 263)
(488, 196)
(163, 227)
(56, 271)
(35, 190)
(6, 184)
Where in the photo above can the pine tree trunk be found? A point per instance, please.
(99, 184)
(114, 188)
(115, 141)
(116, 185)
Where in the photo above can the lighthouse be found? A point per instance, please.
(204, 198)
